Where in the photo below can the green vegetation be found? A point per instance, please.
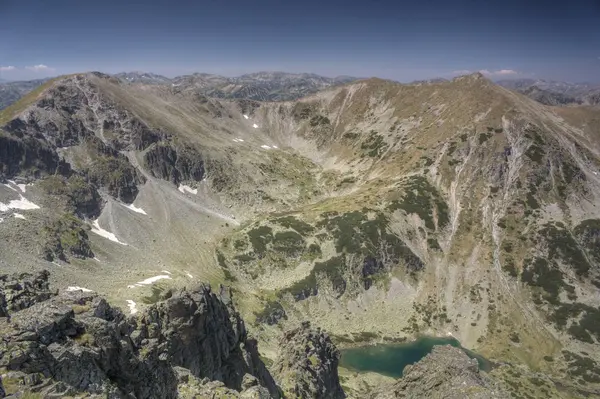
(155, 296)
(536, 151)
(66, 236)
(332, 269)
(433, 244)
(350, 136)
(81, 197)
(562, 246)
(271, 314)
(319, 120)
(539, 273)
(291, 222)
(422, 198)
(374, 145)
(588, 235)
(483, 137)
(259, 238)
(289, 242)
(581, 368)
(509, 267)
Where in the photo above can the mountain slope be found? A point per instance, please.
(376, 210)
(555, 93)
(10, 92)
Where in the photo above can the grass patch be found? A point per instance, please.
(260, 237)
(292, 222)
(423, 199)
(562, 246)
(374, 145)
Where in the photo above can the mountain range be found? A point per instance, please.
(556, 93)
(378, 211)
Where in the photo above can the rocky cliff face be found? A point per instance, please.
(448, 373)
(75, 342)
(307, 364)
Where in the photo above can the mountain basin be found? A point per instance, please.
(390, 359)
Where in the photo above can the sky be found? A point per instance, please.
(392, 39)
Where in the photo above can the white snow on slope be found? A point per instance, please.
(103, 233)
(76, 288)
(266, 147)
(236, 140)
(183, 188)
(149, 281)
(10, 187)
(189, 274)
(275, 147)
(22, 203)
(132, 306)
(22, 187)
(135, 209)
(255, 126)
(19, 216)
(166, 271)
(246, 116)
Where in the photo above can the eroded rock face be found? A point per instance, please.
(307, 366)
(447, 373)
(76, 342)
(173, 163)
(21, 291)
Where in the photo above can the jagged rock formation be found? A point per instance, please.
(22, 291)
(307, 364)
(446, 373)
(76, 342)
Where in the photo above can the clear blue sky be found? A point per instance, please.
(402, 40)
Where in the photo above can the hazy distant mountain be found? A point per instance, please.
(142, 77)
(555, 93)
(262, 86)
(12, 91)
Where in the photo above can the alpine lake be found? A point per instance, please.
(390, 359)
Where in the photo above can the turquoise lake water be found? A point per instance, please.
(390, 359)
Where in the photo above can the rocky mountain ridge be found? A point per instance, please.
(189, 344)
(466, 208)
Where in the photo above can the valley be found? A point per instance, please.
(381, 212)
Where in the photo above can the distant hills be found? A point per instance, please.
(282, 86)
(555, 93)
(261, 86)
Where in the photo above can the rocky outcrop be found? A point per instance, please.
(27, 156)
(18, 292)
(307, 366)
(447, 373)
(174, 163)
(75, 342)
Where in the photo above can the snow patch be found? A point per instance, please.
(76, 288)
(266, 147)
(132, 306)
(255, 126)
(189, 275)
(22, 203)
(166, 271)
(246, 116)
(236, 140)
(19, 216)
(135, 209)
(10, 187)
(275, 147)
(183, 188)
(149, 281)
(22, 187)
(103, 233)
